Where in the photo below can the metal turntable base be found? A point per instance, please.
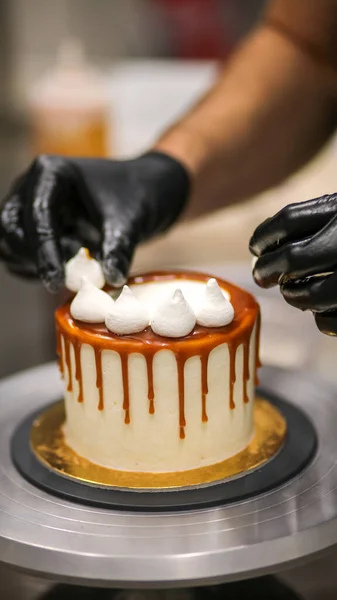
(297, 450)
(62, 540)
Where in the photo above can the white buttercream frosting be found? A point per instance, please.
(127, 315)
(173, 317)
(215, 310)
(82, 265)
(90, 304)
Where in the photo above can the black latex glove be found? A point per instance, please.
(297, 248)
(108, 206)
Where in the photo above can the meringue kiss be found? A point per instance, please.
(173, 317)
(82, 265)
(215, 310)
(127, 315)
(90, 304)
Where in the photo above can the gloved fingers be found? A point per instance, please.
(297, 260)
(10, 258)
(28, 269)
(11, 230)
(17, 264)
(289, 260)
(315, 293)
(293, 222)
(327, 322)
(6, 254)
(10, 226)
(70, 245)
(13, 245)
(45, 188)
(116, 253)
(89, 235)
(23, 270)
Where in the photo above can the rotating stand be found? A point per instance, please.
(61, 539)
(296, 451)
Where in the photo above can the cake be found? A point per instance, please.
(161, 378)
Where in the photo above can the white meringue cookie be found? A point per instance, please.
(174, 317)
(215, 310)
(90, 304)
(127, 314)
(82, 265)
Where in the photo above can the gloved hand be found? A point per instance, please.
(297, 249)
(108, 206)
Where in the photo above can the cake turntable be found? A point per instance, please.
(62, 539)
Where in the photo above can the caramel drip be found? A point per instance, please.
(258, 363)
(150, 389)
(125, 376)
(232, 347)
(59, 351)
(78, 369)
(204, 386)
(200, 342)
(246, 345)
(181, 393)
(68, 363)
(99, 377)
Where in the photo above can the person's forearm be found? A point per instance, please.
(270, 111)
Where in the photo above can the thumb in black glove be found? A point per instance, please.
(297, 249)
(109, 206)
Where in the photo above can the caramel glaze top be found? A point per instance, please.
(200, 342)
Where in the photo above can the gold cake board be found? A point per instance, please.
(48, 444)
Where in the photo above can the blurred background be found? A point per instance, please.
(101, 78)
(104, 77)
